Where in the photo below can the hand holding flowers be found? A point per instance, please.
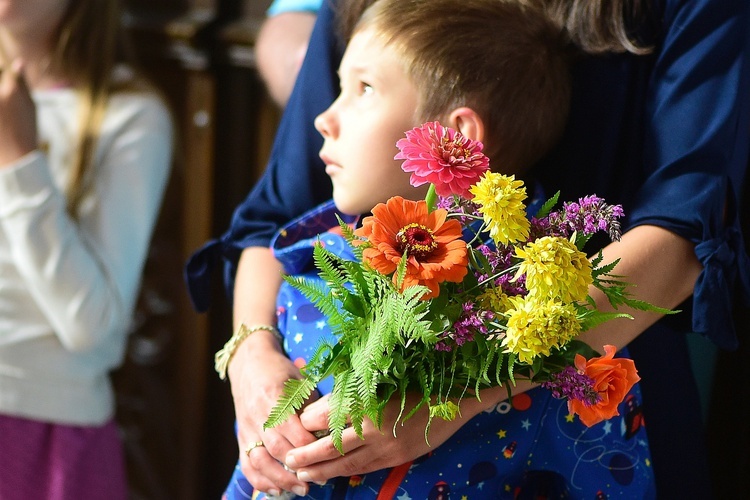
(462, 292)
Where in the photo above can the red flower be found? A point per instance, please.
(613, 378)
(434, 249)
(442, 156)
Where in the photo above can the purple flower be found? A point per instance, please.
(471, 322)
(588, 216)
(464, 209)
(572, 385)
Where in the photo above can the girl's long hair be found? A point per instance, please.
(595, 26)
(91, 41)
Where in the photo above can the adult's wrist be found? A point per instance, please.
(224, 356)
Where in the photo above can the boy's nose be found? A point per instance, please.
(326, 125)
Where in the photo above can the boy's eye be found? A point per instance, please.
(365, 88)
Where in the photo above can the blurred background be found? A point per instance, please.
(175, 414)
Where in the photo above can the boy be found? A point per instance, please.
(497, 72)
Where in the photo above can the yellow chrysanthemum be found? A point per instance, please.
(500, 200)
(495, 300)
(535, 327)
(555, 268)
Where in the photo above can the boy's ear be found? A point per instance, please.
(468, 122)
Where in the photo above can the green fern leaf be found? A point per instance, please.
(296, 392)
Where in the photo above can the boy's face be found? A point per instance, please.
(376, 106)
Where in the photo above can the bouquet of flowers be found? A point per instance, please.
(462, 291)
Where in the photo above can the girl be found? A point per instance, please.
(85, 147)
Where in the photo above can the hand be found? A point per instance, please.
(18, 133)
(320, 461)
(258, 371)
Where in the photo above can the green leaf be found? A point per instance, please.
(353, 304)
(346, 230)
(545, 209)
(447, 411)
(340, 408)
(599, 270)
(296, 392)
(581, 240)
(596, 318)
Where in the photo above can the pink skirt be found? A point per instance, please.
(60, 462)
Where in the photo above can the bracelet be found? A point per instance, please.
(224, 355)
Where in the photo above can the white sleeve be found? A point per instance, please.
(85, 275)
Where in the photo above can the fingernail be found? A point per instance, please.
(305, 476)
(274, 493)
(300, 491)
(290, 461)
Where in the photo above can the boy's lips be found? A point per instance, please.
(332, 169)
(331, 165)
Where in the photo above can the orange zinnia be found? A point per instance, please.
(613, 378)
(434, 249)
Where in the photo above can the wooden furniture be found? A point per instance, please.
(175, 415)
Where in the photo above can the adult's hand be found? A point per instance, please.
(18, 133)
(320, 461)
(258, 371)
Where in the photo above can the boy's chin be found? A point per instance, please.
(348, 210)
(344, 206)
(350, 207)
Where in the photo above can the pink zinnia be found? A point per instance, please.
(442, 156)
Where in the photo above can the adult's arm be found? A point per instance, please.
(696, 150)
(661, 264)
(282, 43)
(258, 371)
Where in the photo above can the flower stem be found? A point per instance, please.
(431, 198)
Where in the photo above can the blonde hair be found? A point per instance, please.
(504, 59)
(91, 41)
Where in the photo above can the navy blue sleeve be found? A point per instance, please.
(696, 149)
(294, 180)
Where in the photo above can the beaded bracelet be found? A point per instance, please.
(224, 355)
